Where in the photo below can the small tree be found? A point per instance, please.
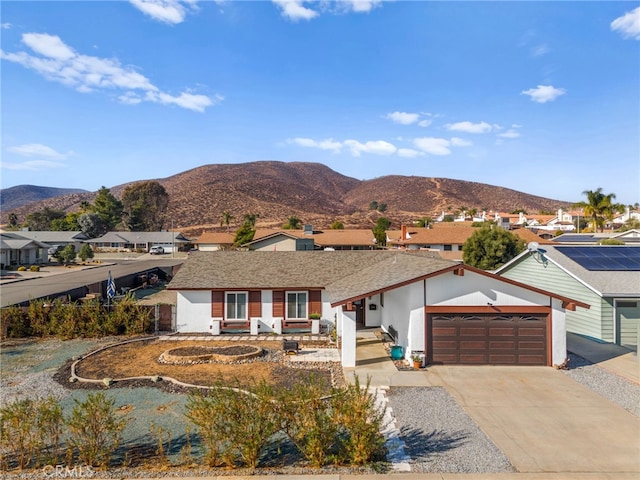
(68, 254)
(85, 252)
(226, 218)
(95, 429)
(380, 231)
(424, 222)
(337, 225)
(490, 247)
(373, 205)
(292, 224)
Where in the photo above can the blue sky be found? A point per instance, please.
(541, 97)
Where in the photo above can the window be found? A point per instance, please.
(447, 248)
(236, 306)
(296, 305)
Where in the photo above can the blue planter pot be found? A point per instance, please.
(396, 352)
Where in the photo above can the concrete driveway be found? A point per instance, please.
(543, 420)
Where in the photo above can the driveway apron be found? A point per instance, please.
(543, 420)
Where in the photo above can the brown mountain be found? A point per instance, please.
(312, 192)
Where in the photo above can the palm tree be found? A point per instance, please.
(250, 218)
(226, 218)
(598, 207)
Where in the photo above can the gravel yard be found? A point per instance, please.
(439, 436)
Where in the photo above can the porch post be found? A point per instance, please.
(348, 352)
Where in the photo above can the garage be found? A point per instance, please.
(487, 338)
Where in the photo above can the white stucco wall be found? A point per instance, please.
(193, 311)
(558, 333)
(373, 318)
(476, 289)
(347, 331)
(404, 310)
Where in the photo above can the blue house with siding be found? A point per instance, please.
(605, 277)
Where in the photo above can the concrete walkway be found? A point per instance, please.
(614, 358)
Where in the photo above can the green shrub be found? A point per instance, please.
(30, 431)
(14, 322)
(307, 418)
(361, 421)
(94, 429)
(234, 425)
(22, 268)
(34, 268)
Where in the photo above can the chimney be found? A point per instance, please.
(560, 215)
(404, 232)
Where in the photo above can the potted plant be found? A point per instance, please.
(315, 316)
(417, 361)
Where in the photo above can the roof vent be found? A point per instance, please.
(308, 229)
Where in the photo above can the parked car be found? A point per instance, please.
(156, 250)
(53, 249)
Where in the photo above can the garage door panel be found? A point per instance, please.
(502, 345)
(445, 331)
(502, 331)
(496, 359)
(532, 332)
(473, 359)
(472, 331)
(489, 339)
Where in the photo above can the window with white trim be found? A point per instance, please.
(236, 305)
(296, 305)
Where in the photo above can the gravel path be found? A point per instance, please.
(439, 436)
(611, 386)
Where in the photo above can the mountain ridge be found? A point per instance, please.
(313, 192)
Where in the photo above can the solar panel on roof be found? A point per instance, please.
(604, 258)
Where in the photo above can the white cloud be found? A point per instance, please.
(166, 11)
(433, 146)
(544, 93)
(469, 127)
(32, 165)
(37, 150)
(511, 133)
(409, 153)
(460, 142)
(6, 25)
(328, 144)
(59, 62)
(377, 147)
(425, 123)
(540, 50)
(403, 118)
(628, 25)
(360, 6)
(295, 10)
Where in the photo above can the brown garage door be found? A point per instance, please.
(488, 339)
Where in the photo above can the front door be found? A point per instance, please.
(359, 306)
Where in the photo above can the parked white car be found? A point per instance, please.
(156, 250)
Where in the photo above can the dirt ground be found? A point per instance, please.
(141, 359)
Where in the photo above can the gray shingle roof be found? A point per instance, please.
(345, 274)
(608, 283)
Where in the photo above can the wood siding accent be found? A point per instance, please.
(596, 321)
(278, 303)
(255, 303)
(315, 301)
(217, 304)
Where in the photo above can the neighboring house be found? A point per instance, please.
(55, 238)
(142, 241)
(629, 237)
(607, 278)
(446, 240)
(310, 239)
(451, 313)
(629, 214)
(16, 249)
(212, 241)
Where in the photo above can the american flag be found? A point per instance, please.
(111, 287)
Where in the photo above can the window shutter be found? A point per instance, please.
(315, 301)
(278, 303)
(217, 304)
(255, 303)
